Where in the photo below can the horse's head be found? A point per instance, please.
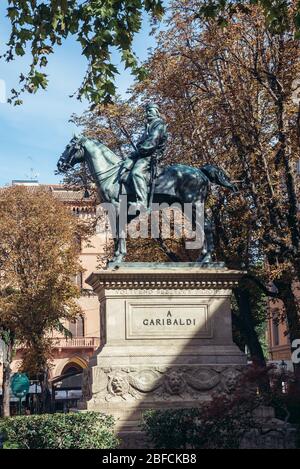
(73, 154)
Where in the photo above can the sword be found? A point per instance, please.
(152, 180)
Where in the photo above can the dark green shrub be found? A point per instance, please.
(224, 421)
(219, 424)
(287, 405)
(171, 428)
(86, 430)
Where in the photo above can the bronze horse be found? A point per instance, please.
(176, 183)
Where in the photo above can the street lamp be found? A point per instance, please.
(283, 370)
(283, 367)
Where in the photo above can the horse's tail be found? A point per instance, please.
(218, 176)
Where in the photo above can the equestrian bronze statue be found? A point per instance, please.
(142, 180)
(143, 162)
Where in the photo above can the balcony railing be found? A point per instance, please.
(76, 342)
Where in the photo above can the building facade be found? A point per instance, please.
(278, 339)
(71, 356)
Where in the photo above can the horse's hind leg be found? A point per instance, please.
(208, 245)
(121, 249)
(117, 232)
(120, 241)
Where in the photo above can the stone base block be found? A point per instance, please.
(166, 339)
(128, 391)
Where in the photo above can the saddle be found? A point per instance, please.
(124, 175)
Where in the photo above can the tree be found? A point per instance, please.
(117, 125)
(231, 98)
(98, 25)
(101, 25)
(38, 261)
(276, 12)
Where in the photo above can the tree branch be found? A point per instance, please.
(264, 289)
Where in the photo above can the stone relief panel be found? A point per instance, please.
(161, 383)
(229, 378)
(145, 380)
(203, 379)
(174, 383)
(99, 380)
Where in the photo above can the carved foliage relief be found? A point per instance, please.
(158, 383)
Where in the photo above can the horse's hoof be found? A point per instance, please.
(116, 261)
(137, 208)
(204, 260)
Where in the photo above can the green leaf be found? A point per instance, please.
(97, 24)
(43, 61)
(297, 20)
(12, 12)
(25, 34)
(19, 49)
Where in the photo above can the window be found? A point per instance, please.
(77, 327)
(275, 333)
(79, 280)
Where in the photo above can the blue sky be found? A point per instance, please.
(34, 135)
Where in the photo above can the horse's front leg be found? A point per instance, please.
(120, 241)
(208, 245)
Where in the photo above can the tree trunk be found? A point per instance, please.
(7, 359)
(244, 322)
(246, 325)
(45, 392)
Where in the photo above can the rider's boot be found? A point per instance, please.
(135, 207)
(205, 258)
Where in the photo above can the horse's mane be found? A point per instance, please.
(92, 139)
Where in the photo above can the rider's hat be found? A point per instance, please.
(152, 106)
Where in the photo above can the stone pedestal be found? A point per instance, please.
(166, 339)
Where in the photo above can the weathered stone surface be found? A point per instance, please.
(149, 320)
(270, 433)
(166, 340)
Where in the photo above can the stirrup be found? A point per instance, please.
(137, 206)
